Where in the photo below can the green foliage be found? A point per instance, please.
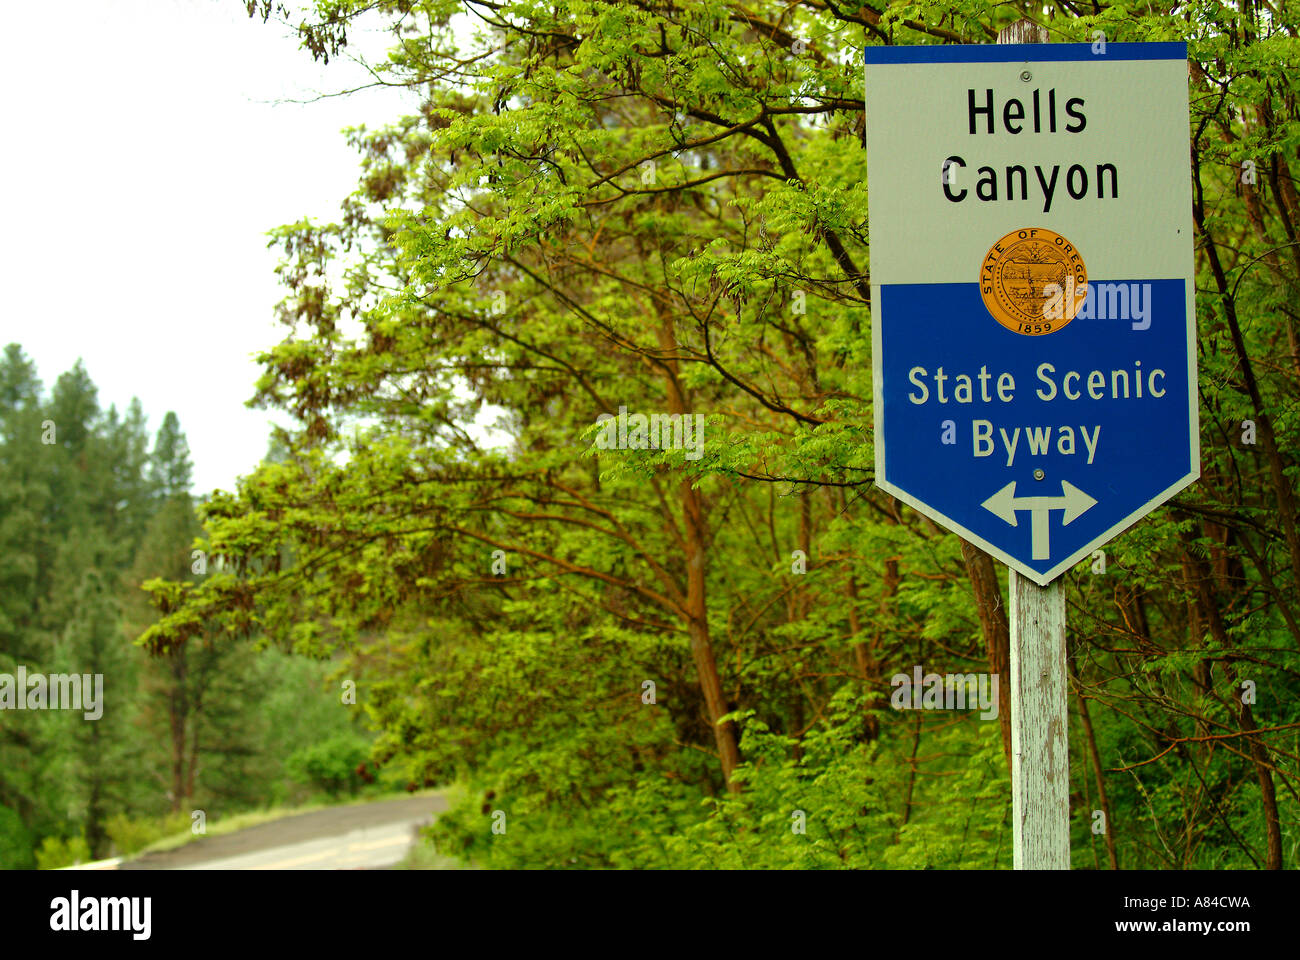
(83, 522)
(331, 765)
(59, 852)
(130, 835)
(15, 842)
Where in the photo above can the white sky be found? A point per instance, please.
(144, 159)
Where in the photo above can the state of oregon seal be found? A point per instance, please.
(1033, 281)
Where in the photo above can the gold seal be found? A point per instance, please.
(1033, 281)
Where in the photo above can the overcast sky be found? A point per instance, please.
(145, 158)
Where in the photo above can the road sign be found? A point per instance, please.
(1032, 290)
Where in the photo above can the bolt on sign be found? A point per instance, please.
(1032, 290)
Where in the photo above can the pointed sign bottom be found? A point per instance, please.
(1005, 503)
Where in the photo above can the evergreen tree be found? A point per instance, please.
(100, 768)
(169, 463)
(25, 478)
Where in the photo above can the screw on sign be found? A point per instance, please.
(1033, 328)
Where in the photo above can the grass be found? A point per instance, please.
(422, 856)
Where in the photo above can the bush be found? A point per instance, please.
(131, 836)
(57, 852)
(331, 765)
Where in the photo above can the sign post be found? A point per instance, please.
(1040, 743)
(1033, 330)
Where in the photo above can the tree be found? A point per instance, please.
(199, 699)
(169, 463)
(97, 760)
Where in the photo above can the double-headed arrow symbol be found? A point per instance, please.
(1005, 503)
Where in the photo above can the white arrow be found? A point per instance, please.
(1005, 503)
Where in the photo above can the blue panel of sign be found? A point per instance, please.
(1037, 447)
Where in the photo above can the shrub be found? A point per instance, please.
(331, 765)
(58, 852)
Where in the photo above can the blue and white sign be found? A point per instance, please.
(1032, 290)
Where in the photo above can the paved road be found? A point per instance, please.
(366, 836)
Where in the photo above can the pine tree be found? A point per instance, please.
(101, 758)
(169, 464)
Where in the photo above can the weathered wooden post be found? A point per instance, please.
(1040, 751)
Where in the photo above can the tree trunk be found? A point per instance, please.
(1095, 757)
(1259, 753)
(697, 608)
(701, 644)
(177, 710)
(96, 835)
(996, 629)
